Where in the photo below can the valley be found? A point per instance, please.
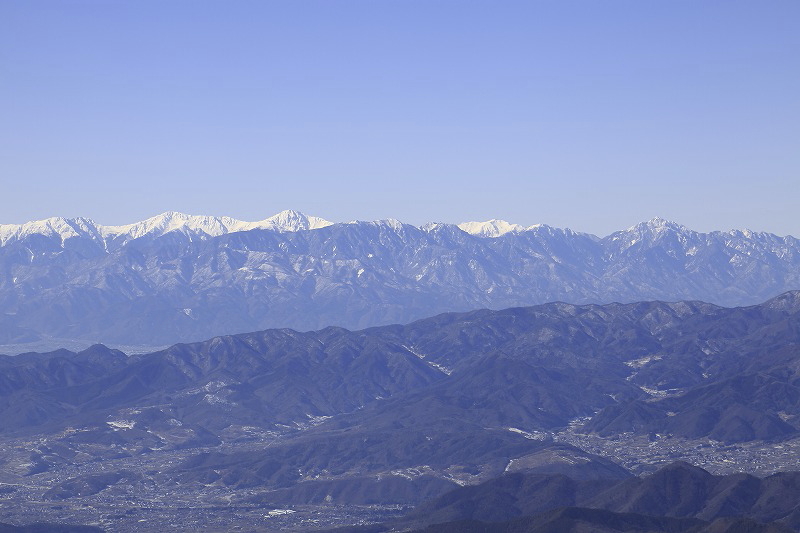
(146, 497)
(285, 430)
(179, 352)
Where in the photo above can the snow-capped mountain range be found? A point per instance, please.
(493, 228)
(156, 226)
(177, 277)
(209, 226)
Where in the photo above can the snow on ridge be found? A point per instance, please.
(166, 222)
(392, 223)
(158, 225)
(290, 220)
(657, 225)
(50, 227)
(493, 228)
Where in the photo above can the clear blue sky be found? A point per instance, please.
(592, 115)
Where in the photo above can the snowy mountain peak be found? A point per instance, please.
(655, 232)
(657, 226)
(156, 226)
(322, 277)
(392, 223)
(434, 226)
(215, 226)
(290, 220)
(490, 228)
(651, 232)
(50, 227)
(167, 222)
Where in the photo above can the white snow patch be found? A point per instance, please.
(278, 512)
(317, 420)
(530, 435)
(216, 399)
(639, 363)
(412, 350)
(116, 425)
(657, 393)
(441, 368)
(413, 472)
(491, 228)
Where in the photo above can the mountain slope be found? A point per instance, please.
(177, 277)
(679, 490)
(648, 366)
(455, 398)
(389, 415)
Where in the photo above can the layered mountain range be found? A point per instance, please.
(395, 415)
(177, 277)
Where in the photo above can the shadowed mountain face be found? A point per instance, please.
(175, 278)
(678, 491)
(584, 520)
(407, 411)
(394, 415)
(685, 368)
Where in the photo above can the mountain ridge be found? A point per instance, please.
(677, 490)
(288, 220)
(184, 279)
(157, 225)
(391, 415)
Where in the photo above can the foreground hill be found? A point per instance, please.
(585, 520)
(393, 415)
(181, 278)
(687, 368)
(684, 497)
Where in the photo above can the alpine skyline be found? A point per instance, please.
(583, 115)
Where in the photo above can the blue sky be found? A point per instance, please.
(592, 115)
